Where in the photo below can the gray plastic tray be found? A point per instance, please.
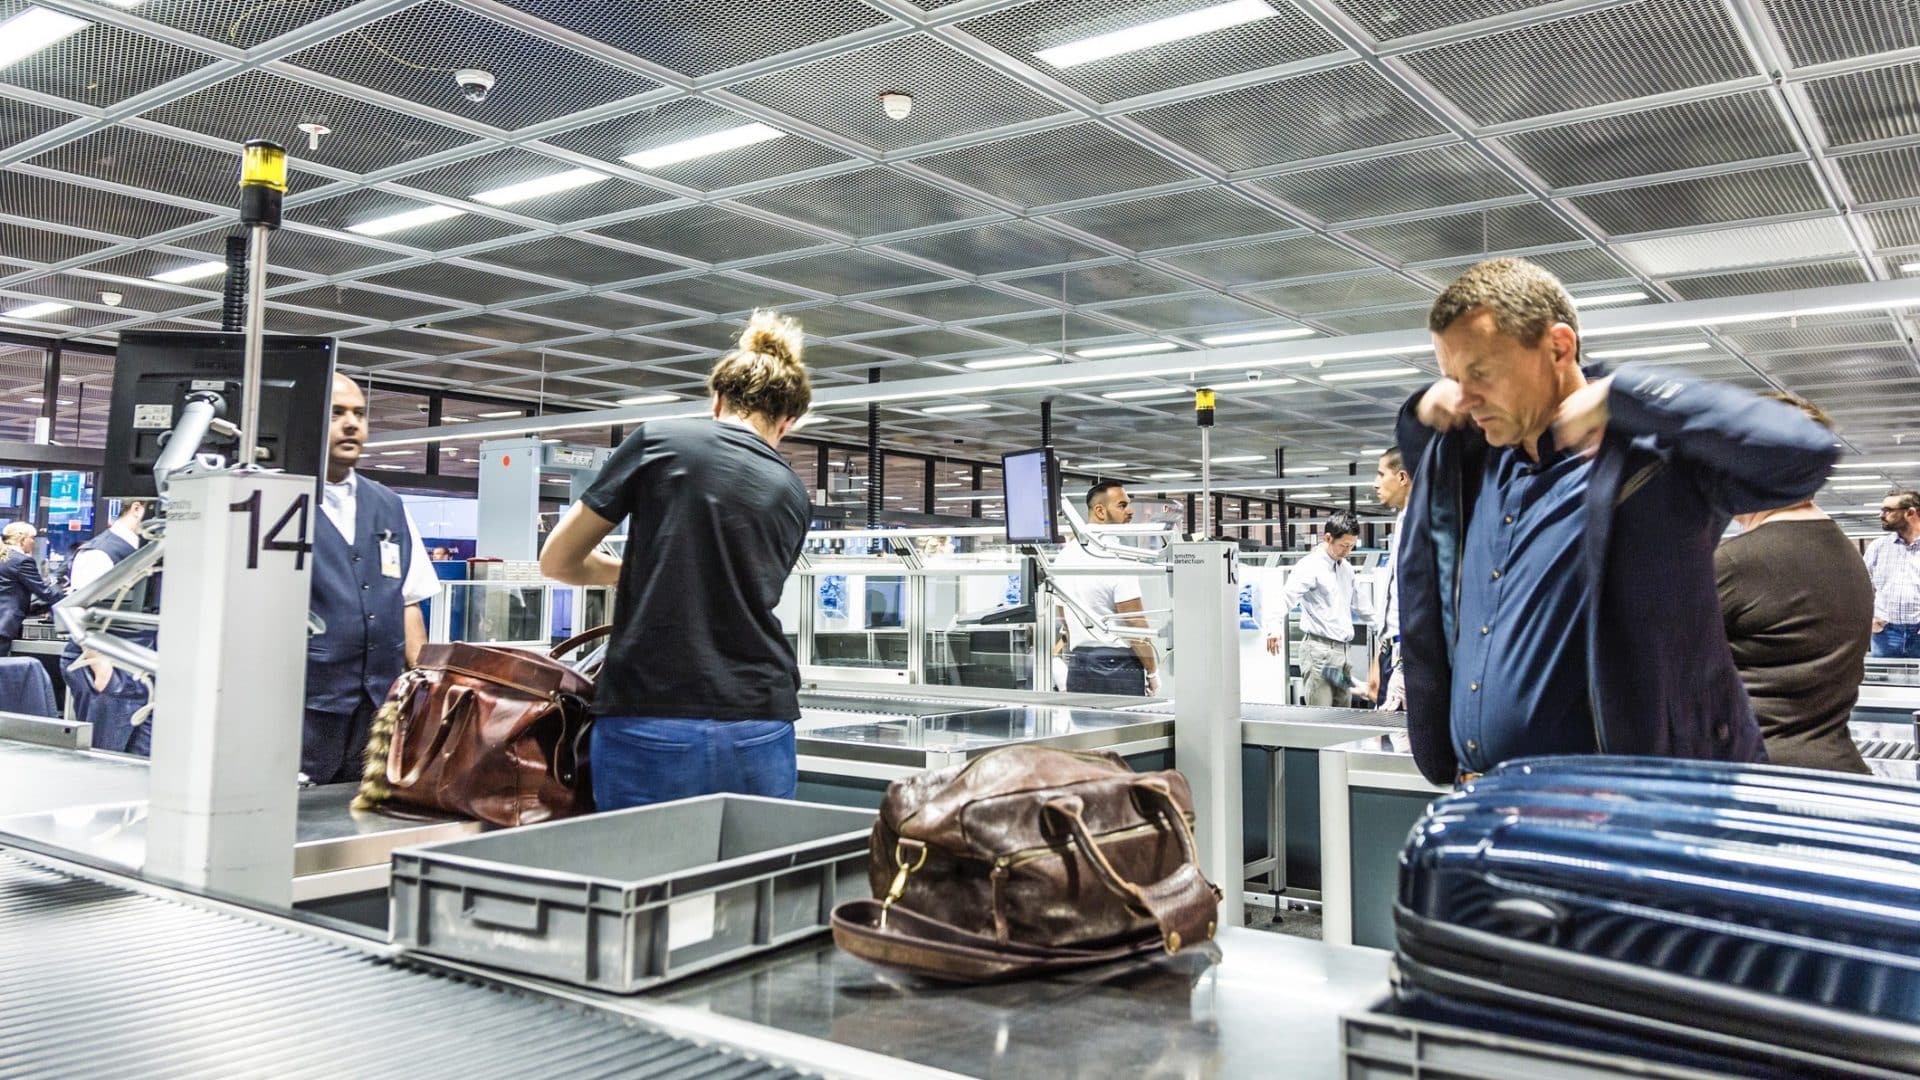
(627, 900)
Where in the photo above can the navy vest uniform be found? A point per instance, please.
(351, 666)
(111, 710)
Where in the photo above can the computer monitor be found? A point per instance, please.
(154, 371)
(1030, 480)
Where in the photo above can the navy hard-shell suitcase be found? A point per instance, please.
(1724, 906)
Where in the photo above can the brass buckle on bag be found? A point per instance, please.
(899, 886)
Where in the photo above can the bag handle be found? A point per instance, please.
(900, 938)
(459, 702)
(585, 637)
(1184, 904)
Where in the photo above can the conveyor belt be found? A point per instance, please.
(1888, 750)
(102, 981)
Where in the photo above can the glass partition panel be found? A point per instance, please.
(860, 620)
(980, 631)
(494, 612)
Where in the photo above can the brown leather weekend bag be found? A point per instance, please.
(1028, 859)
(484, 732)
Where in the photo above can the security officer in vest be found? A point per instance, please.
(370, 575)
(101, 694)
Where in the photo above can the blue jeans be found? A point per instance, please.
(638, 760)
(1898, 640)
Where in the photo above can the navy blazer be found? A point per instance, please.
(1680, 456)
(20, 585)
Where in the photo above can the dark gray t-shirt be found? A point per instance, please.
(717, 521)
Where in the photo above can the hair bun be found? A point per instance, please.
(772, 334)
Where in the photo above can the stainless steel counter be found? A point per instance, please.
(898, 746)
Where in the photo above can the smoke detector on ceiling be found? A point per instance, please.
(897, 104)
(111, 298)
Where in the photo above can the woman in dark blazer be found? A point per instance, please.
(20, 582)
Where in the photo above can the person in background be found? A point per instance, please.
(23, 589)
(1391, 485)
(1095, 665)
(1322, 584)
(1557, 590)
(700, 688)
(1797, 601)
(440, 554)
(370, 576)
(101, 694)
(1893, 562)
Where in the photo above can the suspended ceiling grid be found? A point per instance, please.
(1327, 167)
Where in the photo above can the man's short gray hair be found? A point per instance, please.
(1525, 300)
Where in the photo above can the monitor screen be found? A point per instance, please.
(154, 371)
(1031, 483)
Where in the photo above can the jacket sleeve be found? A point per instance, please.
(37, 585)
(1409, 434)
(1746, 453)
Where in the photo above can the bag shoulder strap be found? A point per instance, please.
(583, 638)
(928, 946)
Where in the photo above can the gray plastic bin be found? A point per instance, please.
(627, 900)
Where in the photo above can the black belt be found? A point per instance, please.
(1324, 640)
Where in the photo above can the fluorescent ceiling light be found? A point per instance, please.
(390, 468)
(1851, 464)
(545, 185)
(1309, 494)
(1175, 475)
(1910, 268)
(717, 143)
(1307, 470)
(410, 219)
(1835, 487)
(1136, 349)
(1259, 335)
(1102, 465)
(1373, 453)
(35, 311)
(35, 29)
(971, 496)
(191, 273)
(1394, 372)
(1147, 392)
(502, 414)
(1231, 459)
(1651, 350)
(1007, 361)
(455, 420)
(395, 453)
(953, 484)
(1608, 298)
(64, 401)
(964, 407)
(650, 399)
(1157, 32)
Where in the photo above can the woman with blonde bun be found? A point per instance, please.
(700, 688)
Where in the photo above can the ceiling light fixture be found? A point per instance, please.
(1157, 32)
(1910, 268)
(1307, 470)
(1871, 464)
(1234, 459)
(650, 399)
(1175, 475)
(191, 273)
(1310, 495)
(1101, 465)
(1608, 298)
(1253, 336)
(35, 29)
(1395, 372)
(999, 362)
(545, 185)
(1857, 487)
(1136, 349)
(409, 219)
(395, 453)
(501, 414)
(964, 407)
(1651, 350)
(1146, 392)
(718, 142)
(35, 311)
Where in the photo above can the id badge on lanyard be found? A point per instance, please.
(389, 556)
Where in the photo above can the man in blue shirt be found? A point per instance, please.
(1557, 583)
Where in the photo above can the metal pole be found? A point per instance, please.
(1206, 485)
(256, 330)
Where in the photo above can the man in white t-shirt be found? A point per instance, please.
(1099, 662)
(1391, 485)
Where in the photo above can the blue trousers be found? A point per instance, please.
(638, 760)
(110, 711)
(1898, 640)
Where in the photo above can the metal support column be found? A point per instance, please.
(1206, 728)
(876, 463)
(509, 510)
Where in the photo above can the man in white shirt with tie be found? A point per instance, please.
(370, 576)
(1322, 585)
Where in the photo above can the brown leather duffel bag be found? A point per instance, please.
(1028, 859)
(484, 732)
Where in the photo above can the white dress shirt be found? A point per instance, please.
(1390, 602)
(1323, 588)
(90, 565)
(341, 502)
(1101, 596)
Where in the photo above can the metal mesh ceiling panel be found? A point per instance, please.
(835, 321)
(714, 294)
(1116, 281)
(1747, 246)
(1822, 31)
(1343, 294)
(1275, 260)
(364, 303)
(606, 312)
(1895, 228)
(135, 299)
(459, 283)
(99, 66)
(464, 179)
(1187, 217)
(415, 342)
(1375, 322)
(1793, 339)
(162, 165)
(282, 321)
(709, 234)
(19, 121)
(501, 327)
(306, 252)
(1884, 175)
(996, 248)
(1388, 21)
(241, 25)
(947, 305)
(1614, 54)
(1051, 329)
(1395, 184)
(1327, 112)
(876, 201)
(1022, 31)
(952, 94)
(918, 343)
(1574, 267)
(704, 38)
(360, 207)
(1807, 276)
(575, 260)
(1504, 228)
(413, 54)
(1051, 166)
(1204, 309)
(40, 246)
(1689, 135)
(90, 208)
(1867, 106)
(1710, 200)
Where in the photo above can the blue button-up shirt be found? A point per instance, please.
(1520, 676)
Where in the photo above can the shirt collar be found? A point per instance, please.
(125, 533)
(349, 486)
